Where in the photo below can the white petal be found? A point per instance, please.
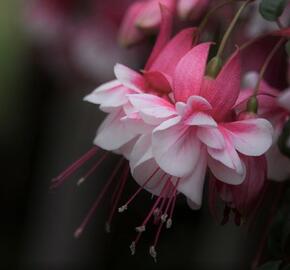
(192, 186)
(211, 136)
(252, 137)
(225, 174)
(175, 147)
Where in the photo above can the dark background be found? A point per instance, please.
(45, 126)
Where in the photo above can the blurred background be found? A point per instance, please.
(53, 53)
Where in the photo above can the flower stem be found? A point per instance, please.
(266, 64)
(211, 12)
(231, 28)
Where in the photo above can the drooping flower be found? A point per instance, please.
(191, 9)
(144, 17)
(121, 126)
(202, 131)
(273, 105)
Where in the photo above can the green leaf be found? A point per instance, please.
(271, 10)
(272, 265)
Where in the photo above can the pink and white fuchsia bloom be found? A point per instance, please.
(144, 17)
(275, 106)
(119, 131)
(197, 128)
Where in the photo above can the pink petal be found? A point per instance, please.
(129, 34)
(153, 109)
(189, 73)
(223, 91)
(175, 147)
(226, 174)
(192, 186)
(185, 7)
(150, 16)
(163, 36)
(285, 32)
(252, 137)
(158, 82)
(246, 195)
(284, 100)
(177, 47)
(212, 137)
(129, 78)
(191, 8)
(193, 105)
(109, 95)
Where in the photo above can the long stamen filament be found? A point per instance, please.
(72, 168)
(79, 231)
(91, 171)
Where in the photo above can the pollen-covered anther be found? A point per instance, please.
(80, 181)
(107, 227)
(169, 223)
(78, 232)
(123, 208)
(153, 253)
(164, 217)
(133, 248)
(141, 228)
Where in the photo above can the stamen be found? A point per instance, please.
(134, 244)
(169, 219)
(125, 206)
(163, 203)
(133, 248)
(153, 253)
(118, 196)
(72, 168)
(89, 173)
(143, 226)
(79, 231)
(163, 220)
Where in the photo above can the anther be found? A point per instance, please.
(78, 232)
(123, 208)
(164, 217)
(153, 253)
(141, 228)
(107, 227)
(133, 248)
(168, 223)
(80, 181)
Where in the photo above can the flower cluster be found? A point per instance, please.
(186, 116)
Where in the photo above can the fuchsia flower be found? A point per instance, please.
(144, 17)
(119, 128)
(240, 199)
(191, 8)
(201, 130)
(273, 105)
